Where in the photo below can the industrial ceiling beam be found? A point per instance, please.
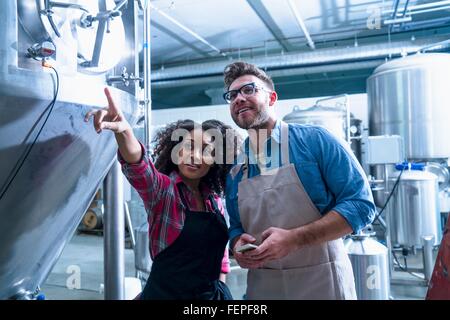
(301, 24)
(264, 15)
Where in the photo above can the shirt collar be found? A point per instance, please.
(275, 135)
(176, 178)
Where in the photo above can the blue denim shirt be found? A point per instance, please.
(327, 168)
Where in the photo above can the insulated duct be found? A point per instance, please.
(325, 60)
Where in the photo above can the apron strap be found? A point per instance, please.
(284, 144)
(245, 169)
(214, 205)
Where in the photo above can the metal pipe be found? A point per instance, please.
(405, 8)
(120, 5)
(99, 36)
(114, 235)
(431, 10)
(435, 4)
(441, 44)
(147, 77)
(428, 261)
(302, 24)
(305, 59)
(275, 73)
(395, 8)
(129, 224)
(192, 33)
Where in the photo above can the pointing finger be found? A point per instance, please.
(112, 105)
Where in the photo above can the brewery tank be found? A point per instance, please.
(410, 97)
(369, 260)
(413, 211)
(333, 119)
(51, 170)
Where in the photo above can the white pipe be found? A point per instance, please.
(114, 235)
(302, 25)
(192, 33)
(422, 6)
(147, 76)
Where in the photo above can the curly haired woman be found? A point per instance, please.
(181, 192)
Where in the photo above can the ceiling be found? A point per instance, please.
(193, 40)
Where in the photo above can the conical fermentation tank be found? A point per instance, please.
(48, 177)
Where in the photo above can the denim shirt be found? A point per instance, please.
(327, 168)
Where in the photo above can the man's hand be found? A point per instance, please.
(277, 243)
(111, 118)
(243, 258)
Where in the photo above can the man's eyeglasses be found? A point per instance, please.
(247, 90)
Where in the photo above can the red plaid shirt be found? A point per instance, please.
(161, 196)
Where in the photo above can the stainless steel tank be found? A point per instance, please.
(410, 97)
(369, 260)
(47, 197)
(413, 210)
(333, 119)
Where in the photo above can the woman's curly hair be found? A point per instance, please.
(216, 177)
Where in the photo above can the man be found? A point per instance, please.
(295, 196)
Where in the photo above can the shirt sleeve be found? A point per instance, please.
(346, 180)
(235, 228)
(144, 177)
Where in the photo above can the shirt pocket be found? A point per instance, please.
(313, 183)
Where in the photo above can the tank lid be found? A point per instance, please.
(314, 111)
(415, 60)
(362, 235)
(416, 175)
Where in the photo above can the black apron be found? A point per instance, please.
(190, 267)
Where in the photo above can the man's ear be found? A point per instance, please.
(273, 97)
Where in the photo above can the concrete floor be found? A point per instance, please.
(85, 251)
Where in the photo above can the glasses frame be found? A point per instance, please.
(255, 88)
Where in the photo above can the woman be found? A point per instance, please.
(181, 193)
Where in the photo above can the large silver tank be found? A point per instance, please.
(50, 193)
(369, 260)
(330, 118)
(413, 210)
(410, 97)
(333, 119)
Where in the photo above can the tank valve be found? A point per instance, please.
(42, 51)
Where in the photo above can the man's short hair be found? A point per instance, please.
(241, 68)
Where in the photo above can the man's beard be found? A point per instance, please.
(260, 121)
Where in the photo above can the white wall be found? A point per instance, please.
(358, 106)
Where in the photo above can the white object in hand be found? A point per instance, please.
(246, 247)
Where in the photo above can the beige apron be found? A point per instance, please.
(277, 199)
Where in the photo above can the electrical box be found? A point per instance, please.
(385, 149)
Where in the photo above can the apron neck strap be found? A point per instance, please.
(284, 150)
(284, 143)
